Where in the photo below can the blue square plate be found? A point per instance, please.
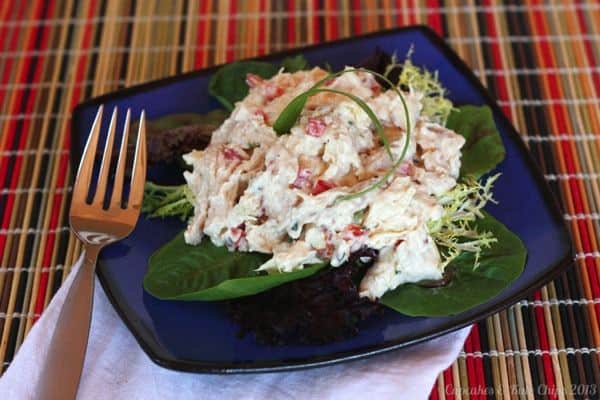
(199, 337)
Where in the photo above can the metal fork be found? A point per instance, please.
(95, 227)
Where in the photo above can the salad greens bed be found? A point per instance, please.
(178, 271)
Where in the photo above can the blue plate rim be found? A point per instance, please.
(368, 351)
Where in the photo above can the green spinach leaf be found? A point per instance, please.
(294, 64)
(228, 84)
(499, 265)
(483, 150)
(178, 271)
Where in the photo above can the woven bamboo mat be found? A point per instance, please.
(539, 59)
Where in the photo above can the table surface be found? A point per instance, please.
(540, 60)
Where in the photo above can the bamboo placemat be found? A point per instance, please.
(539, 59)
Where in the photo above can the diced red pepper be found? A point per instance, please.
(376, 88)
(253, 80)
(322, 186)
(272, 91)
(372, 83)
(302, 178)
(230, 154)
(264, 116)
(315, 127)
(355, 229)
(352, 231)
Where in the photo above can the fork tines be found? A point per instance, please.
(86, 166)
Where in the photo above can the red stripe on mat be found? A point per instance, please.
(544, 345)
(433, 395)
(291, 22)
(200, 59)
(399, 15)
(434, 18)
(473, 380)
(262, 29)
(449, 387)
(316, 23)
(231, 26)
(334, 32)
(332, 20)
(356, 19)
(412, 18)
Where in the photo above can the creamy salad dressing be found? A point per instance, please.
(256, 191)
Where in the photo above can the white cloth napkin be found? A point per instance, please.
(116, 368)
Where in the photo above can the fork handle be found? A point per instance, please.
(61, 371)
